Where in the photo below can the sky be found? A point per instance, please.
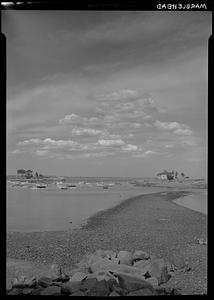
(107, 93)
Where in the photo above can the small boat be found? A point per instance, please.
(105, 187)
(41, 186)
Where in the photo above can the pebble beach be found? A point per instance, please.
(151, 222)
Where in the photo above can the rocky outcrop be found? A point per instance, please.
(102, 273)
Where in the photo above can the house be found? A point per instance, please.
(162, 175)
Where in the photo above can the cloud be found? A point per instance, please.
(87, 131)
(183, 131)
(130, 147)
(180, 129)
(111, 142)
(42, 152)
(144, 154)
(118, 95)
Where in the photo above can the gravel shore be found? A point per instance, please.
(149, 222)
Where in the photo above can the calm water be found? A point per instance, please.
(54, 209)
(196, 201)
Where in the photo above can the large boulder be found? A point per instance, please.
(44, 281)
(23, 281)
(142, 292)
(106, 265)
(51, 291)
(140, 255)
(78, 277)
(125, 257)
(133, 282)
(100, 289)
(106, 253)
(143, 265)
(153, 281)
(68, 288)
(159, 270)
(103, 275)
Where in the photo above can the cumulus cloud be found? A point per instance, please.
(118, 95)
(144, 154)
(130, 147)
(180, 129)
(111, 142)
(87, 131)
(60, 148)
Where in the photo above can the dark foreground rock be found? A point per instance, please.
(106, 273)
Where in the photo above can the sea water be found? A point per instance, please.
(54, 209)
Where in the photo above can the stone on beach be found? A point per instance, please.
(143, 292)
(78, 277)
(132, 282)
(106, 264)
(68, 288)
(106, 278)
(159, 270)
(125, 257)
(45, 281)
(51, 291)
(140, 255)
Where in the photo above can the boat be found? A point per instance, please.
(62, 185)
(41, 185)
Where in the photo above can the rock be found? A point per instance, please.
(159, 270)
(125, 257)
(30, 281)
(179, 261)
(142, 292)
(102, 275)
(55, 271)
(160, 290)
(44, 281)
(87, 284)
(68, 288)
(37, 291)
(116, 288)
(15, 291)
(100, 289)
(19, 282)
(78, 293)
(110, 254)
(106, 253)
(169, 290)
(153, 281)
(51, 291)
(140, 255)
(132, 282)
(202, 241)
(106, 264)
(78, 277)
(23, 281)
(115, 260)
(114, 294)
(27, 291)
(141, 264)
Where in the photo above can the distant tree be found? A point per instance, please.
(41, 176)
(182, 174)
(176, 174)
(29, 174)
(170, 176)
(36, 175)
(21, 172)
